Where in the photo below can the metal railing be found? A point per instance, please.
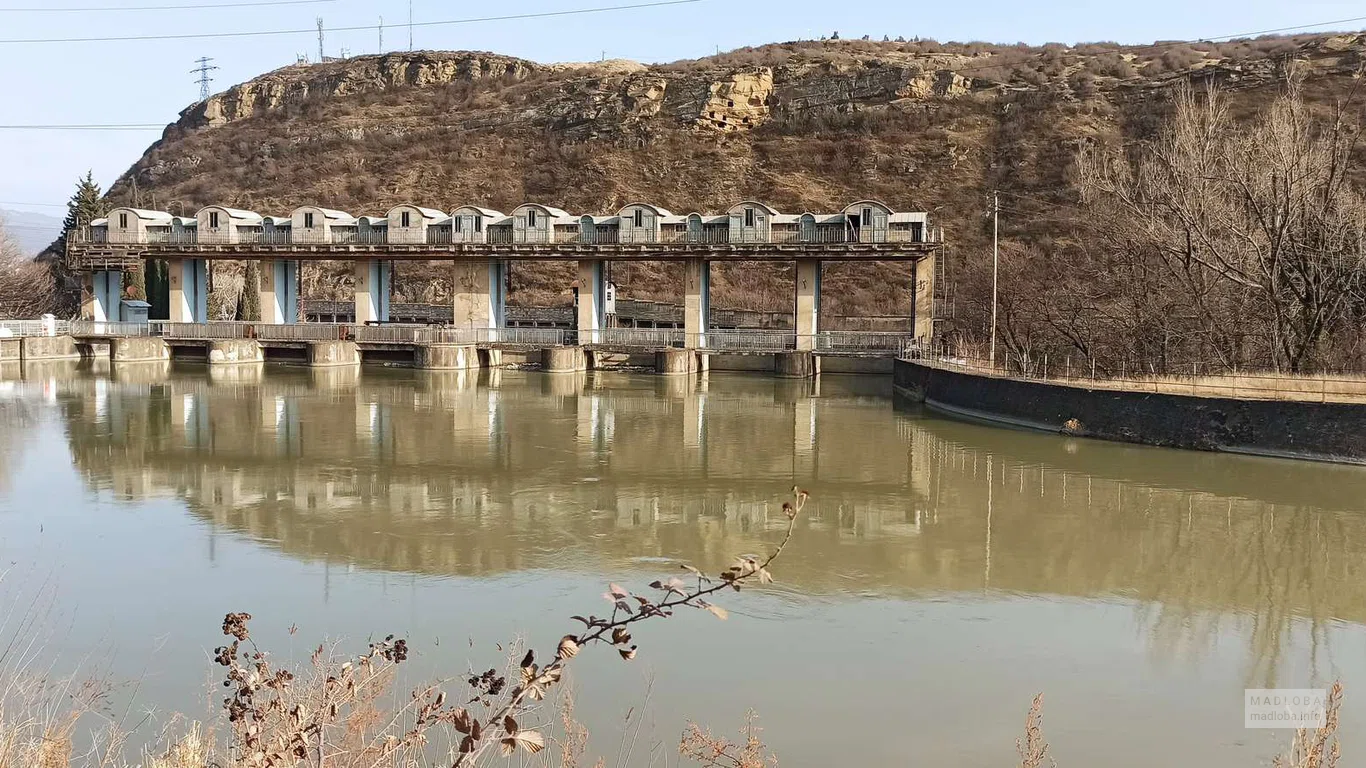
(744, 341)
(216, 329)
(1202, 380)
(81, 328)
(301, 332)
(868, 342)
(16, 328)
(531, 337)
(658, 338)
(393, 333)
(712, 235)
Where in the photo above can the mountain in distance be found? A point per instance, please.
(31, 232)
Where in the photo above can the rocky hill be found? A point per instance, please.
(805, 126)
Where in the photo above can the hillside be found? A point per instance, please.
(804, 125)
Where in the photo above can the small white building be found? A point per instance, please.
(535, 223)
(408, 223)
(218, 224)
(751, 222)
(641, 222)
(311, 224)
(869, 221)
(470, 223)
(137, 225)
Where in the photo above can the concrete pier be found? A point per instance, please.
(796, 365)
(808, 305)
(189, 288)
(673, 362)
(696, 302)
(324, 354)
(138, 349)
(235, 352)
(491, 358)
(372, 291)
(446, 357)
(591, 310)
(564, 359)
(10, 350)
(280, 292)
(480, 299)
(48, 348)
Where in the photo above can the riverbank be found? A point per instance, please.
(1282, 428)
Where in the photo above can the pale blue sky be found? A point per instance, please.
(150, 81)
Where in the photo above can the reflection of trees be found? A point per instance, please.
(446, 477)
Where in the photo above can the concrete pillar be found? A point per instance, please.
(592, 304)
(675, 361)
(189, 287)
(280, 292)
(480, 293)
(808, 302)
(801, 364)
(100, 296)
(922, 300)
(372, 291)
(696, 303)
(563, 359)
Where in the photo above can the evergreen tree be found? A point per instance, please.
(249, 307)
(158, 290)
(86, 205)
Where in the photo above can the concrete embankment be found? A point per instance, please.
(1279, 428)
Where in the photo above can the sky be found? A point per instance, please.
(149, 81)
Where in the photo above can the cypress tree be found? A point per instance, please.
(158, 290)
(249, 307)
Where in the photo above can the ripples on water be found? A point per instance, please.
(946, 572)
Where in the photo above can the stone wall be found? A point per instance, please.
(1280, 428)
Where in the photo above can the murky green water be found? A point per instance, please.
(945, 574)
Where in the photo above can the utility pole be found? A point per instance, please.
(381, 34)
(410, 25)
(203, 71)
(320, 40)
(995, 265)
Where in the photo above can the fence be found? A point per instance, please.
(634, 337)
(744, 341)
(865, 342)
(1203, 380)
(13, 328)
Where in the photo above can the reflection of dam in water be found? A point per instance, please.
(453, 474)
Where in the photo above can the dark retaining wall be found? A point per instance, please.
(1281, 428)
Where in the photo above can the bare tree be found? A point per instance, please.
(26, 287)
(1257, 226)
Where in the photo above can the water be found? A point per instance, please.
(945, 573)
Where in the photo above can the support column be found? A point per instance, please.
(808, 302)
(280, 292)
(922, 300)
(372, 291)
(480, 294)
(592, 295)
(101, 296)
(696, 303)
(189, 288)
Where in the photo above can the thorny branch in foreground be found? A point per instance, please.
(275, 723)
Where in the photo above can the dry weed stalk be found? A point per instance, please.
(718, 752)
(1032, 748)
(1316, 747)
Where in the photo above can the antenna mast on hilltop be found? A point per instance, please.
(320, 39)
(203, 71)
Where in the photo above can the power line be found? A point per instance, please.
(365, 27)
(88, 127)
(165, 7)
(41, 205)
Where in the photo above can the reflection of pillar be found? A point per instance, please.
(596, 422)
(808, 302)
(372, 291)
(101, 293)
(480, 293)
(592, 293)
(922, 300)
(189, 288)
(694, 425)
(280, 292)
(696, 302)
(804, 437)
(190, 413)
